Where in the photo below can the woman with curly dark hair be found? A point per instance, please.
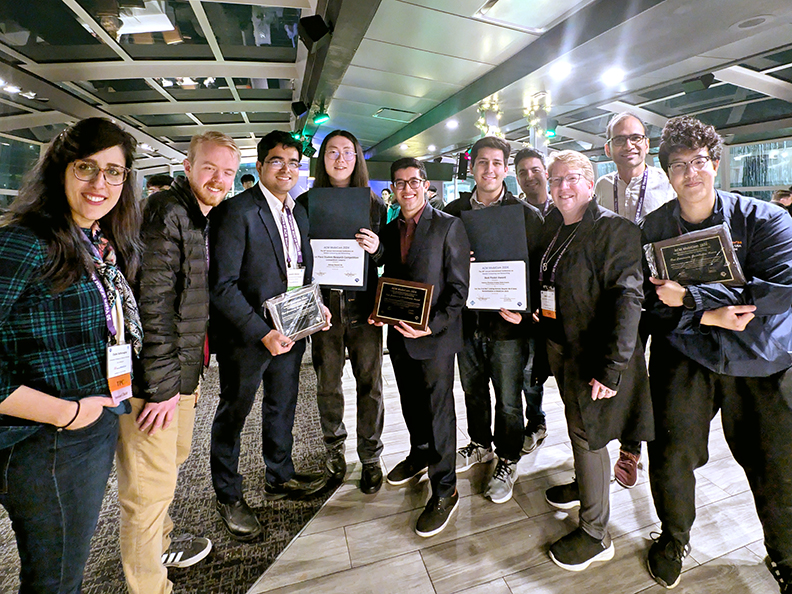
(66, 245)
(341, 165)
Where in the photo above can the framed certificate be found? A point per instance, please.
(697, 258)
(297, 313)
(403, 301)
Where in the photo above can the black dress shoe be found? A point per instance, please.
(239, 520)
(297, 486)
(371, 478)
(336, 465)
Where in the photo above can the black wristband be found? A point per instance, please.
(74, 418)
(688, 302)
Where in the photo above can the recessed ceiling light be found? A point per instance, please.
(753, 22)
(612, 76)
(12, 89)
(561, 70)
(404, 147)
(452, 124)
(431, 148)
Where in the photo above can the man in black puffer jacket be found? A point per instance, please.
(173, 297)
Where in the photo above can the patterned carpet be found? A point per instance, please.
(232, 567)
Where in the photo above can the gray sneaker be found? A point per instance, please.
(534, 437)
(471, 454)
(501, 484)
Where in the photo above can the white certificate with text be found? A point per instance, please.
(496, 285)
(338, 262)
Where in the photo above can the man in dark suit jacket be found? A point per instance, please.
(259, 248)
(427, 246)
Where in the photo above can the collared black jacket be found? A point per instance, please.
(598, 288)
(173, 294)
(492, 324)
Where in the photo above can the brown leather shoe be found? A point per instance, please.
(626, 469)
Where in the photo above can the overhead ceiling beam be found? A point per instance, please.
(301, 4)
(32, 120)
(76, 108)
(648, 117)
(325, 69)
(588, 23)
(160, 108)
(773, 126)
(161, 69)
(190, 130)
(756, 81)
(592, 139)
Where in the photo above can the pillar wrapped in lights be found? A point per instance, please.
(489, 117)
(536, 113)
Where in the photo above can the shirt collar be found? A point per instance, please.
(476, 204)
(274, 203)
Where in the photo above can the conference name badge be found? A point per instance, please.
(548, 302)
(119, 372)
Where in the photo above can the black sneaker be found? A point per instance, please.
(186, 550)
(564, 496)
(436, 515)
(371, 478)
(782, 574)
(335, 465)
(406, 470)
(297, 486)
(665, 559)
(577, 550)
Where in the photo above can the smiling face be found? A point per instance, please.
(211, 175)
(630, 154)
(489, 170)
(90, 200)
(410, 199)
(532, 178)
(340, 169)
(693, 186)
(280, 179)
(571, 199)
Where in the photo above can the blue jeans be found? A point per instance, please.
(533, 392)
(52, 485)
(503, 362)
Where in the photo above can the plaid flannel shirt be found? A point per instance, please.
(52, 343)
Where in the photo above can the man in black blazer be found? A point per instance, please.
(427, 246)
(259, 248)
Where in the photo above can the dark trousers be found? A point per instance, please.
(241, 372)
(502, 361)
(756, 413)
(52, 485)
(426, 391)
(364, 343)
(592, 467)
(533, 391)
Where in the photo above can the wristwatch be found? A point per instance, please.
(687, 301)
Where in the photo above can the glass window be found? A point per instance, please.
(762, 165)
(16, 159)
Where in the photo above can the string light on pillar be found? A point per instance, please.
(536, 113)
(490, 114)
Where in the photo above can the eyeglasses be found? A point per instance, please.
(414, 183)
(680, 167)
(570, 179)
(279, 163)
(86, 171)
(621, 141)
(334, 155)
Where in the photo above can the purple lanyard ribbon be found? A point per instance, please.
(293, 236)
(641, 195)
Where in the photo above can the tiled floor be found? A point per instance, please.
(365, 543)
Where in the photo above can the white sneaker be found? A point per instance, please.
(501, 484)
(471, 454)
